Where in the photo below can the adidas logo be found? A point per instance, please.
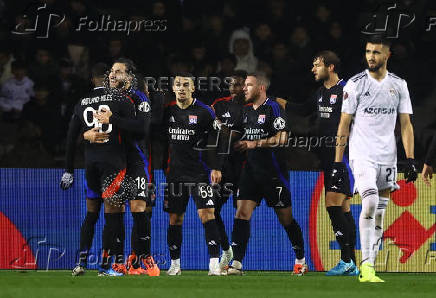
(339, 233)
(367, 94)
(279, 204)
(172, 119)
(320, 99)
(209, 203)
(212, 242)
(118, 240)
(141, 194)
(234, 244)
(226, 115)
(145, 238)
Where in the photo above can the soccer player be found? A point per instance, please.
(427, 170)
(121, 80)
(105, 160)
(327, 102)
(186, 124)
(228, 111)
(265, 129)
(372, 99)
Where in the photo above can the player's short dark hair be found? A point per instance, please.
(130, 65)
(184, 74)
(239, 74)
(261, 77)
(379, 39)
(99, 70)
(18, 64)
(329, 58)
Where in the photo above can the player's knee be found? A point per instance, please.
(176, 219)
(137, 206)
(206, 214)
(243, 214)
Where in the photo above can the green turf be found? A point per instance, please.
(30, 284)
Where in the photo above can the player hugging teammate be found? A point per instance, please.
(363, 110)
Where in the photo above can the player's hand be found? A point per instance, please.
(215, 176)
(244, 145)
(337, 175)
(103, 116)
(410, 173)
(94, 136)
(427, 174)
(67, 180)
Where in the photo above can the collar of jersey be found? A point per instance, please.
(378, 82)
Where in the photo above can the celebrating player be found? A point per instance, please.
(122, 81)
(372, 99)
(187, 123)
(104, 160)
(262, 176)
(228, 111)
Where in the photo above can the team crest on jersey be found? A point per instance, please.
(192, 119)
(279, 123)
(392, 92)
(144, 107)
(333, 98)
(261, 119)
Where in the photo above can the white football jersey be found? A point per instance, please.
(375, 105)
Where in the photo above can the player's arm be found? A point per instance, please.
(74, 129)
(342, 136)
(427, 170)
(407, 137)
(137, 124)
(278, 140)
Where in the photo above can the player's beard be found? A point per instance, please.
(374, 68)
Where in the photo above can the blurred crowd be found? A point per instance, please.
(43, 75)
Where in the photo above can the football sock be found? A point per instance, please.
(367, 223)
(174, 240)
(116, 227)
(240, 236)
(139, 236)
(86, 236)
(224, 240)
(352, 234)
(212, 238)
(340, 228)
(296, 237)
(378, 232)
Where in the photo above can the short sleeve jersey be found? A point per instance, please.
(375, 105)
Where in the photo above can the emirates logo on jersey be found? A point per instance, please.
(192, 119)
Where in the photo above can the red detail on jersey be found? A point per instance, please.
(172, 103)
(248, 104)
(228, 98)
(119, 137)
(115, 185)
(316, 196)
(15, 252)
(406, 195)
(408, 234)
(131, 100)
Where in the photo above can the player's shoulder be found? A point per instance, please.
(358, 77)
(204, 107)
(221, 101)
(395, 78)
(274, 106)
(140, 96)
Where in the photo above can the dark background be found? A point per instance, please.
(285, 36)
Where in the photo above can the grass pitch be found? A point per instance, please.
(29, 284)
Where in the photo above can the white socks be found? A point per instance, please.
(367, 223)
(378, 233)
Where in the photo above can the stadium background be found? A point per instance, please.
(285, 36)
